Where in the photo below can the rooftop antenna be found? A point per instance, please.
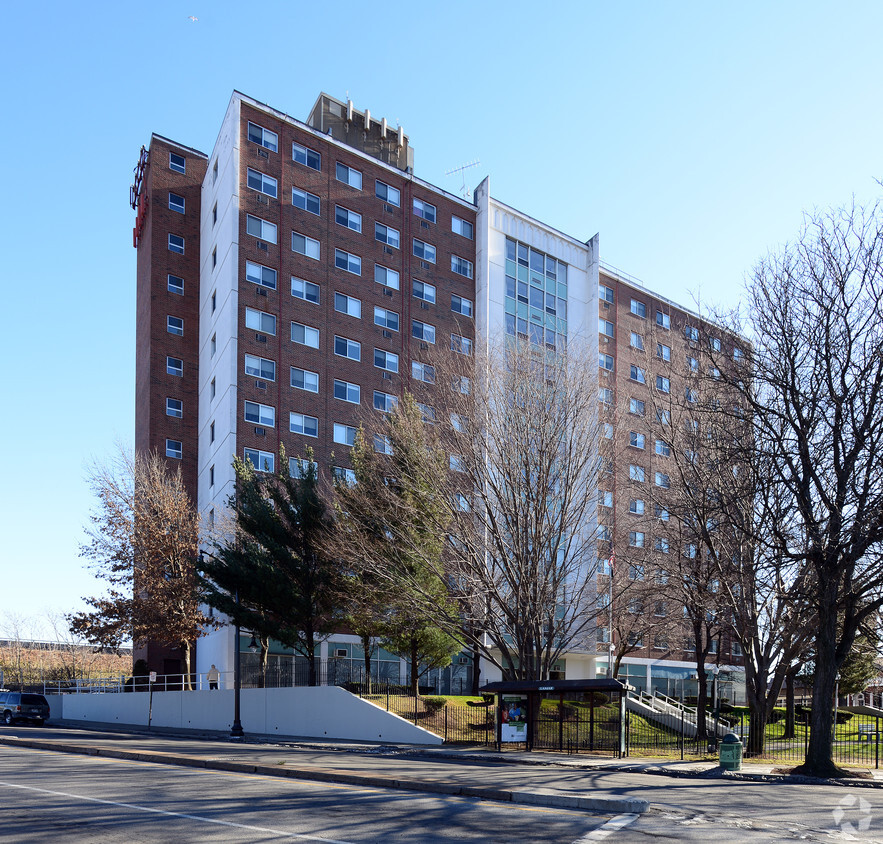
(462, 170)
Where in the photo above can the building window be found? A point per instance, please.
(607, 430)
(306, 156)
(462, 227)
(663, 352)
(636, 540)
(349, 176)
(259, 274)
(348, 219)
(304, 245)
(691, 333)
(424, 210)
(260, 414)
(174, 449)
(427, 414)
(423, 331)
(637, 374)
(176, 203)
(382, 445)
(605, 293)
(260, 367)
(663, 449)
(305, 201)
(663, 320)
(300, 423)
(386, 318)
(386, 360)
(661, 545)
(605, 395)
(636, 440)
(212, 389)
(211, 433)
(177, 163)
(422, 372)
(386, 277)
(214, 257)
(462, 306)
(714, 344)
(214, 300)
(638, 308)
(215, 214)
(175, 366)
(260, 321)
(460, 344)
(343, 476)
(347, 305)
(385, 402)
(304, 335)
(605, 362)
(175, 407)
(346, 391)
(347, 261)
(305, 290)
(605, 327)
(176, 244)
(344, 434)
(263, 461)
(303, 379)
(298, 467)
(262, 183)
(456, 463)
(605, 498)
(461, 266)
(263, 137)
(259, 228)
(663, 480)
(424, 291)
(215, 172)
(636, 473)
(637, 341)
(211, 475)
(387, 235)
(461, 384)
(663, 384)
(738, 356)
(636, 506)
(637, 407)
(387, 193)
(424, 251)
(346, 348)
(214, 344)
(691, 395)
(175, 325)
(176, 284)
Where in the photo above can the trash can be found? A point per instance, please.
(731, 752)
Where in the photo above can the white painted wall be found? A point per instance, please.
(222, 281)
(326, 712)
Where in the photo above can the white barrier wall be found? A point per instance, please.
(319, 712)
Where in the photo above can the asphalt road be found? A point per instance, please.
(266, 808)
(53, 796)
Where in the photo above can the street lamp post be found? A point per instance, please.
(715, 670)
(236, 731)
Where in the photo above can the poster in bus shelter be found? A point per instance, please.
(513, 718)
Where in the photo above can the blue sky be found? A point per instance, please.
(693, 136)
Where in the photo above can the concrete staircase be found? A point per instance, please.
(671, 714)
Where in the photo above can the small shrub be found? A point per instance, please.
(434, 704)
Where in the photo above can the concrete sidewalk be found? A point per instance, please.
(542, 779)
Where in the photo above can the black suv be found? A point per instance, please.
(22, 706)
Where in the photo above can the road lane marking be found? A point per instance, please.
(175, 814)
(613, 825)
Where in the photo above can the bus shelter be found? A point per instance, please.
(565, 715)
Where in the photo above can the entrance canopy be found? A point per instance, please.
(604, 684)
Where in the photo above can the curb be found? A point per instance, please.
(616, 805)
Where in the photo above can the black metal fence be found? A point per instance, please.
(857, 738)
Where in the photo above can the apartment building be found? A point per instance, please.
(301, 272)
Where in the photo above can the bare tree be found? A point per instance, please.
(143, 543)
(812, 386)
(517, 433)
